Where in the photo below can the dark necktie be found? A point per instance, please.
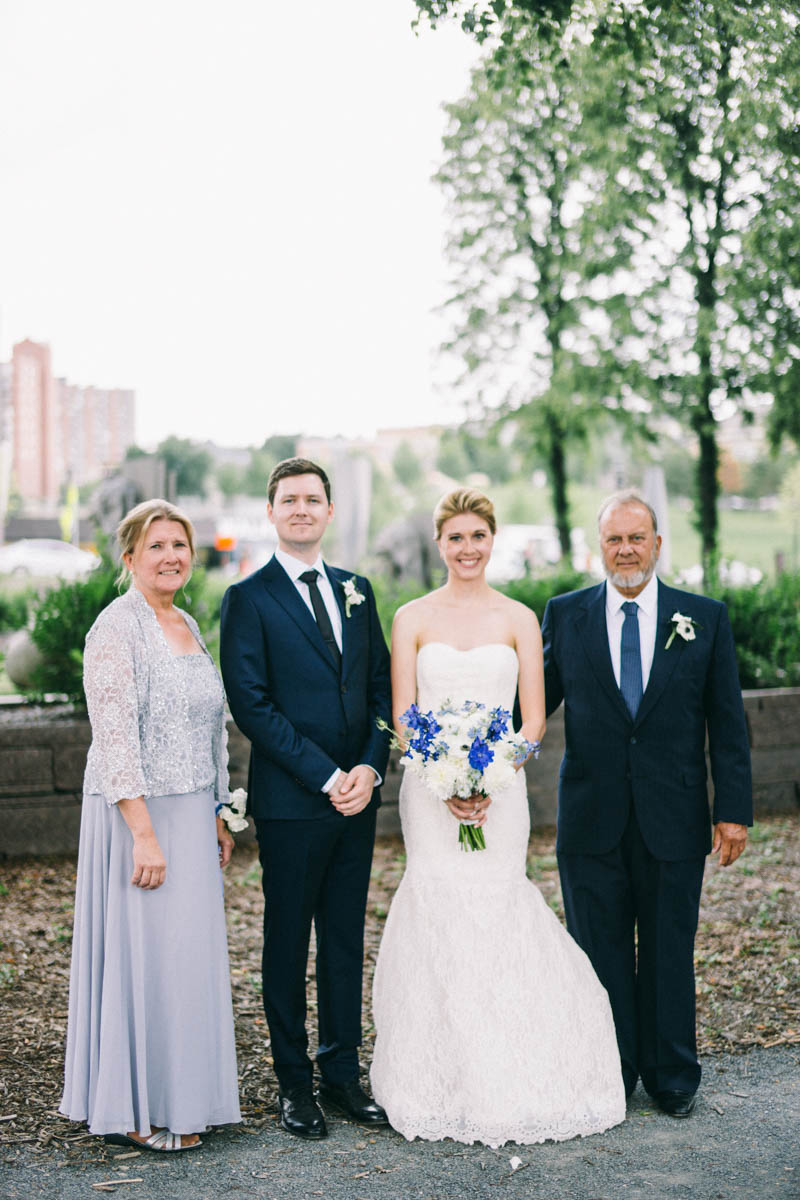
(321, 615)
(630, 671)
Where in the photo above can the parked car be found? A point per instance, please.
(46, 558)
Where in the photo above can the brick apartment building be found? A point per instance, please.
(61, 431)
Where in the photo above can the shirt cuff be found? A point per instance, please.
(327, 787)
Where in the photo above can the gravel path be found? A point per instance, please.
(742, 1143)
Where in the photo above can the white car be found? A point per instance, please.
(46, 558)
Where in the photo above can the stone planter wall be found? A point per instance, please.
(43, 754)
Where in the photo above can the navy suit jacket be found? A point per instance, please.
(304, 717)
(657, 761)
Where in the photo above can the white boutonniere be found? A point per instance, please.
(351, 595)
(683, 627)
(233, 812)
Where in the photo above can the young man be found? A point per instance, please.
(306, 671)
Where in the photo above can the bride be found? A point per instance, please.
(491, 1024)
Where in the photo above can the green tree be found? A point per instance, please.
(536, 242)
(491, 17)
(708, 94)
(466, 450)
(230, 479)
(190, 462)
(699, 100)
(453, 457)
(679, 469)
(280, 446)
(765, 474)
(406, 465)
(274, 450)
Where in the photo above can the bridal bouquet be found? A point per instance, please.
(463, 751)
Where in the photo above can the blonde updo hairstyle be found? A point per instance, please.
(463, 500)
(135, 524)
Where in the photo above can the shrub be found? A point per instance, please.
(61, 620)
(391, 595)
(534, 593)
(14, 609)
(765, 619)
(766, 629)
(66, 613)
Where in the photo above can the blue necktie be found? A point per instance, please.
(630, 672)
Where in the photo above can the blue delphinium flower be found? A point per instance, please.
(498, 724)
(411, 717)
(480, 754)
(425, 727)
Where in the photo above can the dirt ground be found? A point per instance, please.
(747, 959)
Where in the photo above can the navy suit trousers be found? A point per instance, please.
(636, 918)
(315, 870)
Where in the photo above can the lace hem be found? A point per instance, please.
(586, 1124)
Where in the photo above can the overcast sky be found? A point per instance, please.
(228, 207)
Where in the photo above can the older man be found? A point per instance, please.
(646, 673)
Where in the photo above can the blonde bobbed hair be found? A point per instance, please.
(463, 500)
(135, 524)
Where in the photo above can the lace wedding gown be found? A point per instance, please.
(491, 1024)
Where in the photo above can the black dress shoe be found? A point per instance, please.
(351, 1098)
(676, 1104)
(300, 1113)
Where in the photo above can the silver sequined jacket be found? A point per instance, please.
(138, 708)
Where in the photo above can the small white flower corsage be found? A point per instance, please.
(233, 812)
(683, 627)
(351, 595)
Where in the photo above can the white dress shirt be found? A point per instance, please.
(294, 568)
(647, 601)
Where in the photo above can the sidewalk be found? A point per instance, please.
(742, 1143)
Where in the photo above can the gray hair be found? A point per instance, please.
(623, 500)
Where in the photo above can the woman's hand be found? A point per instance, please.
(473, 808)
(225, 842)
(149, 864)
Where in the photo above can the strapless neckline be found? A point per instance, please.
(469, 649)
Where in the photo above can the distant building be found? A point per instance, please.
(6, 429)
(62, 431)
(35, 423)
(97, 429)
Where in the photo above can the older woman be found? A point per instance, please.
(150, 1048)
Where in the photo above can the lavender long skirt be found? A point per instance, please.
(150, 1033)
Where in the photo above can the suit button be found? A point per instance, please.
(633, 741)
(343, 690)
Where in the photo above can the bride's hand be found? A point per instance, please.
(473, 808)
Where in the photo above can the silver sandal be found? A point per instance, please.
(163, 1141)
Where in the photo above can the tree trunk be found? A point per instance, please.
(706, 516)
(557, 458)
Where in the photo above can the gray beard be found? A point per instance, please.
(629, 581)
